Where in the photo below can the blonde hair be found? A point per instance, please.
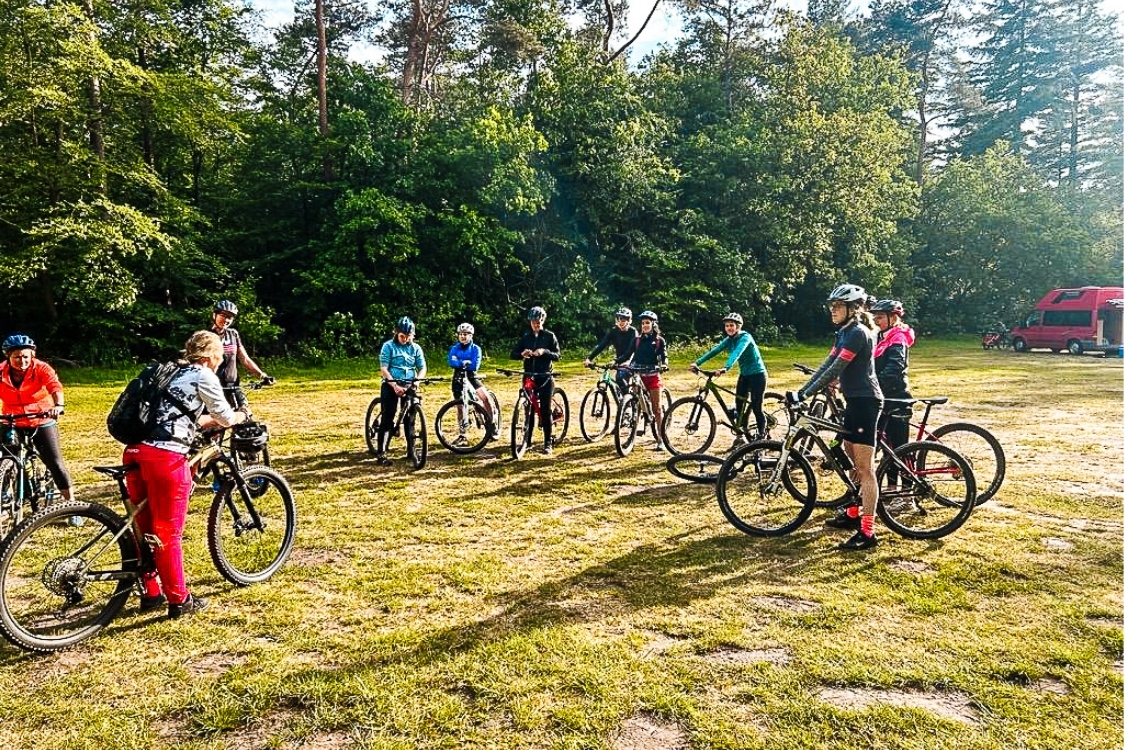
(203, 345)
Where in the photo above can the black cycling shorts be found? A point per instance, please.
(861, 417)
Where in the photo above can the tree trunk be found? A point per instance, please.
(322, 87)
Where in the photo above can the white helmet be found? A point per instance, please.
(848, 293)
(465, 328)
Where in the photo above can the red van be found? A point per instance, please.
(1078, 320)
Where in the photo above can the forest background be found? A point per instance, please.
(964, 157)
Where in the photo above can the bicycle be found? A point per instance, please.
(528, 408)
(769, 488)
(463, 425)
(975, 443)
(690, 425)
(409, 421)
(635, 413)
(25, 483)
(60, 584)
(999, 337)
(596, 410)
(251, 448)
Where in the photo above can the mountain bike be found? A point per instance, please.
(410, 421)
(596, 412)
(463, 424)
(690, 424)
(996, 338)
(975, 443)
(60, 584)
(634, 412)
(25, 484)
(528, 409)
(769, 488)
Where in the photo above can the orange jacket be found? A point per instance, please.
(39, 391)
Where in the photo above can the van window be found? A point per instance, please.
(1067, 295)
(1066, 318)
(1032, 320)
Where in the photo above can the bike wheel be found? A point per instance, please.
(594, 415)
(523, 422)
(497, 419)
(250, 534)
(695, 467)
(981, 449)
(935, 494)
(61, 583)
(831, 490)
(625, 430)
(759, 497)
(371, 426)
(414, 425)
(459, 433)
(777, 416)
(11, 508)
(560, 414)
(689, 426)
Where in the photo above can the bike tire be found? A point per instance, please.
(414, 427)
(981, 449)
(559, 427)
(523, 422)
(250, 535)
(12, 508)
(371, 426)
(758, 500)
(933, 498)
(450, 428)
(689, 426)
(50, 597)
(625, 428)
(497, 416)
(594, 415)
(701, 468)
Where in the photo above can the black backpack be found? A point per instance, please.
(133, 418)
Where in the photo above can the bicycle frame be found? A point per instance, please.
(25, 455)
(711, 387)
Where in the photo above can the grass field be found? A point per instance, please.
(587, 601)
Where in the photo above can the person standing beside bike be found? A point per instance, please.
(29, 385)
(539, 350)
(222, 317)
(622, 336)
(651, 352)
(892, 359)
(743, 350)
(464, 357)
(164, 475)
(852, 360)
(400, 358)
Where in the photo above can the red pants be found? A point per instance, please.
(164, 477)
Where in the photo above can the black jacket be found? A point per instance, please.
(542, 340)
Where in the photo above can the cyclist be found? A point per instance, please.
(649, 352)
(400, 358)
(164, 475)
(742, 349)
(623, 336)
(539, 350)
(464, 358)
(852, 359)
(222, 317)
(892, 358)
(29, 385)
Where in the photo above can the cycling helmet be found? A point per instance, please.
(849, 293)
(404, 325)
(537, 313)
(733, 317)
(466, 328)
(649, 315)
(249, 437)
(18, 341)
(624, 312)
(225, 306)
(892, 306)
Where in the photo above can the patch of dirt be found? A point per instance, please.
(659, 645)
(213, 665)
(800, 606)
(1059, 545)
(625, 490)
(314, 558)
(649, 733)
(954, 706)
(572, 509)
(1051, 685)
(912, 566)
(1107, 622)
(734, 655)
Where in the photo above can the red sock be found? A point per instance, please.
(853, 511)
(867, 525)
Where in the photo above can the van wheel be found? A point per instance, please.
(1074, 346)
(1019, 345)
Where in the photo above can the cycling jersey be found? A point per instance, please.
(228, 368)
(742, 349)
(622, 341)
(650, 351)
(462, 357)
(403, 361)
(37, 391)
(543, 340)
(851, 359)
(195, 387)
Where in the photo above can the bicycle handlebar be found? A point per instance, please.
(413, 381)
(29, 415)
(804, 368)
(503, 371)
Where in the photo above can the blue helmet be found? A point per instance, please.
(225, 306)
(18, 341)
(404, 325)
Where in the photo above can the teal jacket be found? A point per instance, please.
(742, 350)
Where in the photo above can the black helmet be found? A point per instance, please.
(624, 312)
(849, 293)
(733, 317)
(18, 341)
(404, 325)
(649, 315)
(249, 437)
(892, 306)
(225, 306)
(537, 313)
